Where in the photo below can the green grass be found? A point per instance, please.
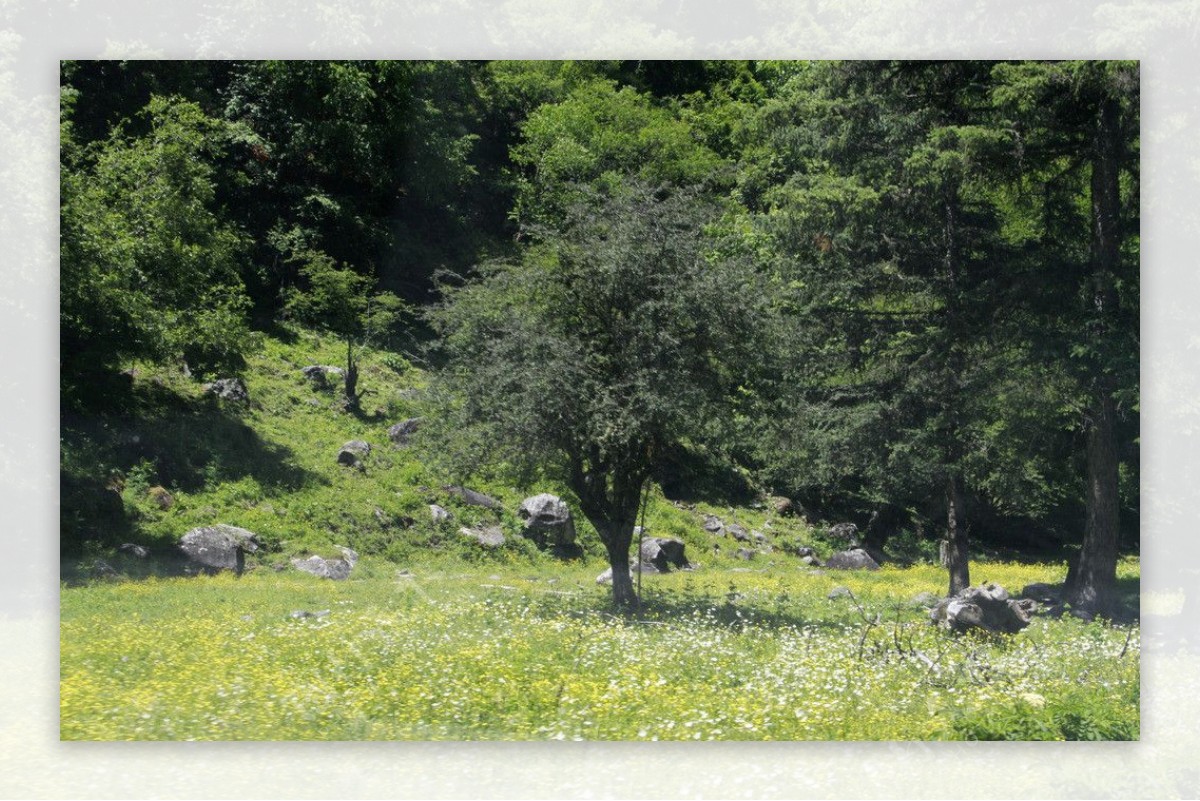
(436, 638)
(529, 655)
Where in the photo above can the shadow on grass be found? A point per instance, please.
(153, 435)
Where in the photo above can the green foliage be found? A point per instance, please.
(596, 137)
(150, 268)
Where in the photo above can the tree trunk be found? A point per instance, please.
(624, 596)
(351, 380)
(957, 559)
(1091, 586)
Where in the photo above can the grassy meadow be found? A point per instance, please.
(532, 655)
(435, 638)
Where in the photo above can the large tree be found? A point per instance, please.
(1078, 122)
(151, 265)
(620, 334)
(868, 175)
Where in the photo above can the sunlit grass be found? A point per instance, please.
(520, 656)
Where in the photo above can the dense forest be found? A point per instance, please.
(901, 294)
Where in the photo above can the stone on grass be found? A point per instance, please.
(318, 374)
(986, 607)
(336, 569)
(737, 532)
(210, 549)
(548, 522)
(473, 498)
(487, 536)
(161, 498)
(134, 550)
(853, 559)
(839, 592)
(353, 452)
(925, 599)
(230, 389)
(438, 514)
(664, 553)
(400, 432)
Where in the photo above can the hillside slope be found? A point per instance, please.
(167, 456)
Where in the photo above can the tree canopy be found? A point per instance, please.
(902, 293)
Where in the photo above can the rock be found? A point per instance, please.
(400, 432)
(548, 521)
(606, 577)
(162, 499)
(438, 514)
(782, 506)
(230, 389)
(737, 532)
(353, 452)
(713, 524)
(473, 498)
(853, 559)
(318, 374)
(845, 531)
(663, 553)
(839, 592)
(985, 607)
(758, 536)
(926, 599)
(487, 536)
(136, 551)
(810, 560)
(746, 554)
(336, 569)
(213, 548)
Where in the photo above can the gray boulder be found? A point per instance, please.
(737, 532)
(336, 569)
(318, 374)
(664, 553)
(473, 498)
(210, 549)
(985, 607)
(134, 550)
(713, 524)
(839, 592)
(400, 433)
(746, 554)
(853, 559)
(487, 536)
(230, 389)
(438, 514)
(548, 522)
(353, 452)
(925, 599)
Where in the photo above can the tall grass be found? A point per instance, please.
(515, 656)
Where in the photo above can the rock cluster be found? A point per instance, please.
(985, 607)
(336, 569)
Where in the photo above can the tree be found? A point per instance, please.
(597, 137)
(619, 334)
(150, 265)
(873, 177)
(1080, 120)
(340, 300)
